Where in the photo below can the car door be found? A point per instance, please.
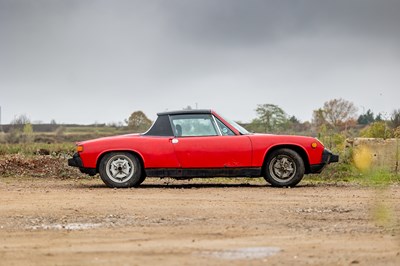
(199, 143)
(158, 152)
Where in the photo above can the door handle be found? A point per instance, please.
(174, 140)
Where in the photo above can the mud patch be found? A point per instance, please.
(71, 226)
(335, 209)
(249, 253)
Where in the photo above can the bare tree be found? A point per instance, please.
(21, 120)
(339, 112)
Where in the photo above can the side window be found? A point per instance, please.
(225, 131)
(193, 125)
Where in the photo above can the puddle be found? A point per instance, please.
(70, 226)
(243, 253)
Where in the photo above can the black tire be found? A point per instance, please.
(121, 170)
(284, 168)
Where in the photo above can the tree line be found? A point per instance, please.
(335, 117)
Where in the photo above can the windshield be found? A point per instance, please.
(238, 127)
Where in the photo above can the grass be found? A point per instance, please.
(381, 177)
(348, 173)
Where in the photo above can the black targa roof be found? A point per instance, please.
(186, 112)
(162, 125)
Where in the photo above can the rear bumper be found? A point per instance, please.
(76, 161)
(327, 158)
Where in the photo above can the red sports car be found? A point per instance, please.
(200, 143)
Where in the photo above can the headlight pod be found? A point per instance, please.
(320, 142)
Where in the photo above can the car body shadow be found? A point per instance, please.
(199, 185)
(194, 185)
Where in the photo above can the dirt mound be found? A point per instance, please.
(36, 166)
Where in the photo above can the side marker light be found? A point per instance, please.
(314, 145)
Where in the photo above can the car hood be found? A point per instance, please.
(282, 136)
(283, 139)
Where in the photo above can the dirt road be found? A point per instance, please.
(66, 222)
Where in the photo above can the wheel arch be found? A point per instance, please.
(136, 154)
(300, 150)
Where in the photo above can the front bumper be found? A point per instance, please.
(76, 161)
(327, 158)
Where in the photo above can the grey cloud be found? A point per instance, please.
(252, 22)
(226, 54)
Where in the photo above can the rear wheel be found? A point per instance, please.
(121, 170)
(284, 168)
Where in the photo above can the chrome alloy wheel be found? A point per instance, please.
(282, 168)
(120, 168)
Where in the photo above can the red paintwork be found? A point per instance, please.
(198, 152)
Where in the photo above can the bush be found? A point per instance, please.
(14, 136)
(27, 136)
(335, 142)
(56, 149)
(377, 130)
(2, 137)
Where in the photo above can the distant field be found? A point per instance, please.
(96, 130)
(59, 134)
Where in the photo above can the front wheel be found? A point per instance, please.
(284, 168)
(120, 170)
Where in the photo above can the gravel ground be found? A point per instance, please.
(46, 221)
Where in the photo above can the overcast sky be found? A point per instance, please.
(84, 61)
